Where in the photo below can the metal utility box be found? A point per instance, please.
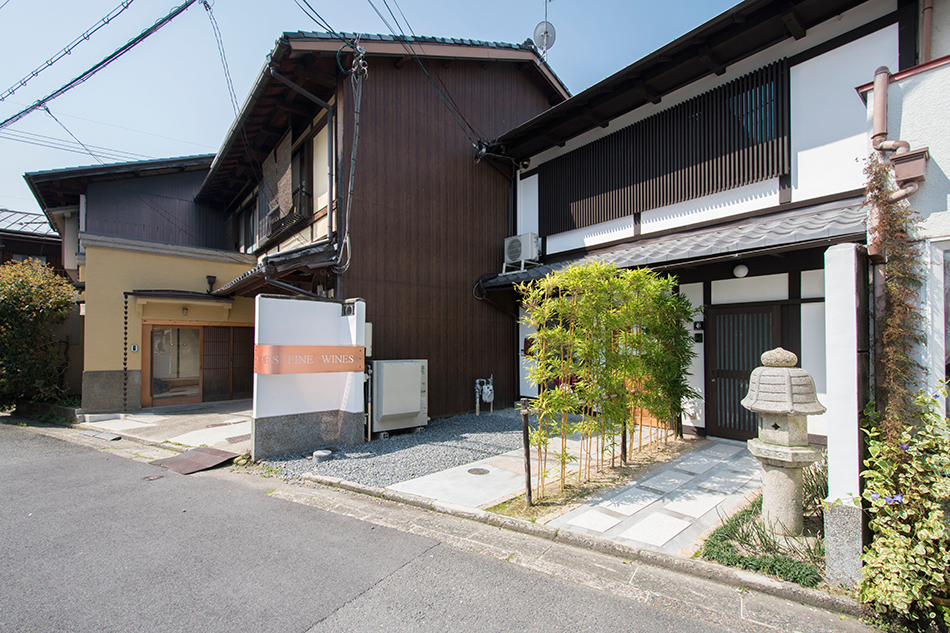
(400, 395)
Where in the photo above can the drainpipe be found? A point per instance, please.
(926, 27)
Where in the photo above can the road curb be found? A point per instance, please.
(728, 576)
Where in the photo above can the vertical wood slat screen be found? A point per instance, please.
(731, 136)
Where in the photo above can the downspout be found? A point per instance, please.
(926, 27)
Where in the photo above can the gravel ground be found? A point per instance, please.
(445, 443)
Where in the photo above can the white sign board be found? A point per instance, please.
(295, 323)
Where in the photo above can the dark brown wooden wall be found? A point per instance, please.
(427, 221)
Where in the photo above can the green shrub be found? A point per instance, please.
(907, 488)
(32, 298)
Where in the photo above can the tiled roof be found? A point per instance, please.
(828, 221)
(28, 223)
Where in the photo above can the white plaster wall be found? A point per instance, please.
(697, 369)
(528, 205)
(813, 359)
(933, 353)
(300, 322)
(813, 284)
(321, 170)
(841, 400)
(916, 113)
(751, 289)
(760, 195)
(591, 235)
(828, 117)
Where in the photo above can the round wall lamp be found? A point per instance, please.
(740, 270)
(184, 311)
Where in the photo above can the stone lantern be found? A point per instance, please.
(782, 395)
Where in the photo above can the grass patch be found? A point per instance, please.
(557, 501)
(742, 542)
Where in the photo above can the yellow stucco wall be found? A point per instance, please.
(110, 272)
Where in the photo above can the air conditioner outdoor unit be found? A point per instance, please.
(521, 249)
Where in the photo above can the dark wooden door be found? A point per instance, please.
(216, 364)
(737, 336)
(228, 363)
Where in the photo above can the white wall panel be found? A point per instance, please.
(528, 205)
(829, 142)
(750, 289)
(697, 369)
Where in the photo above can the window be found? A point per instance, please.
(19, 257)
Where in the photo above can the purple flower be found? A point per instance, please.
(875, 495)
(898, 499)
(903, 446)
(888, 499)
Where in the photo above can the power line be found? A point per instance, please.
(224, 60)
(52, 142)
(311, 13)
(105, 62)
(4, 4)
(455, 113)
(66, 51)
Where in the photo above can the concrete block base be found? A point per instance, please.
(305, 432)
(843, 545)
(102, 391)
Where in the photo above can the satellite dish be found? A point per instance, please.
(544, 35)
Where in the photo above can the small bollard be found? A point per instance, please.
(783, 396)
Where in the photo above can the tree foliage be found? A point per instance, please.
(32, 299)
(606, 340)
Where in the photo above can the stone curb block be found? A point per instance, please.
(702, 569)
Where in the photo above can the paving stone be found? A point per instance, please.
(693, 503)
(747, 464)
(697, 464)
(595, 521)
(666, 482)
(725, 481)
(655, 529)
(721, 450)
(630, 502)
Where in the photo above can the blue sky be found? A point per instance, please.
(168, 97)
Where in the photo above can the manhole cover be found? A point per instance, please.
(477, 471)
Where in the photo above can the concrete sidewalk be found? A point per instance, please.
(224, 425)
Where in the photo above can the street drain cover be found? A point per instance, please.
(477, 471)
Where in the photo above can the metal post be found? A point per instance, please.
(527, 451)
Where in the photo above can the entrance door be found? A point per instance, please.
(737, 337)
(227, 363)
(176, 365)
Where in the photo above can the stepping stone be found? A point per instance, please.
(693, 503)
(725, 482)
(630, 502)
(594, 521)
(666, 482)
(656, 529)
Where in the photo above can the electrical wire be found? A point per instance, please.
(66, 51)
(4, 4)
(455, 113)
(308, 9)
(105, 62)
(52, 142)
(224, 60)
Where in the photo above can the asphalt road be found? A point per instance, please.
(95, 542)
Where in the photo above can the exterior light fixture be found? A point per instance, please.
(184, 311)
(740, 270)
